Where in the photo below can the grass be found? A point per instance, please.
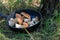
(48, 30)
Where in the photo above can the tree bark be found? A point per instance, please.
(49, 7)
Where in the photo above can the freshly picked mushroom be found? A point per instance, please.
(25, 24)
(27, 20)
(11, 22)
(20, 21)
(19, 18)
(26, 15)
(18, 15)
(23, 20)
(19, 26)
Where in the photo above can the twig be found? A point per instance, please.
(29, 33)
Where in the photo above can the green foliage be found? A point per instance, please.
(50, 31)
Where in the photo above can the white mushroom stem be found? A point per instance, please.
(19, 26)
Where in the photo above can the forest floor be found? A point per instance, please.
(49, 28)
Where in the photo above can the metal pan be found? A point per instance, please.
(29, 11)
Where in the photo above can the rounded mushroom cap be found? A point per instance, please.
(19, 18)
(26, 15)
(25, 24)
(18, 15)
(20, 21)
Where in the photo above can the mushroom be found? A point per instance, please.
(27, 20)
(11, 22)
(26, 15)
(18, 15)
(18, 26)
(19, 19)
(25, 24)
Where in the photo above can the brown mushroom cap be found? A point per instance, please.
(19, 18)
(26, 15)
(18, 15)
(25, 24)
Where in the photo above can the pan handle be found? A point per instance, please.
(3, 16)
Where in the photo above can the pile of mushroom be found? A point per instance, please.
(23, 20)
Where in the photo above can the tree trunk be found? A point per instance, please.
(48, 7)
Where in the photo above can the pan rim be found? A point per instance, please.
(30, 10)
